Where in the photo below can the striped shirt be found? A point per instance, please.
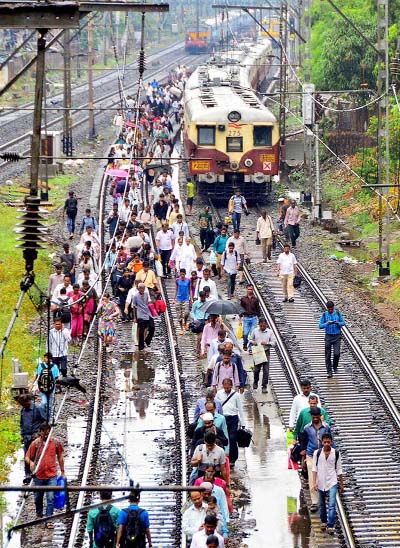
(58, 342)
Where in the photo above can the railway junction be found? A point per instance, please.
(165, 240)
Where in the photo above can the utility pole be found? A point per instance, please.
(283, 35)
(383, 133)
(105, 40)
(37, 114)
(92, 130)
(67, 120)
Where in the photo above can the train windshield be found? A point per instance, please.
(262, 136)
(206, 135)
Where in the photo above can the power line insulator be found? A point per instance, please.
(10, 156)
(31, 231)
(141, 62)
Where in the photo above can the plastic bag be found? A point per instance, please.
(159, 268)
(213, 257)
(240, 331)
(59, 496)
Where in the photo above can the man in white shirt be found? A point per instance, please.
(59, 337)
(125, 210)
(156, 192)
(265, 232)
(232, 407)
(180, 226)
(193, 517)
(66, 283)
(261, 340)
(328, 477)
(165, 242)
(286, 271)
(221, 339)
(230, 262)
(55, 279)
(199, 539)
(241, 248)
(300, 402)
(206, 281)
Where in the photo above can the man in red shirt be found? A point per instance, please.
(46, 474)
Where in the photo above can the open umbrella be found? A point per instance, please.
(223, 307)
(117, 172)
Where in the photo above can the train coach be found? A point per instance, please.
(231, 138)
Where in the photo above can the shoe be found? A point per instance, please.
(329, 376)
(242, 282)
(291, 300)
(50, 525)
(264, 390)
(330, 530)
(71, 237)
(322, 527)
(335, 369)
(255, 386)
(314, 508)
(250, 352)
(285, 300)
(202, 249)
(244, 348)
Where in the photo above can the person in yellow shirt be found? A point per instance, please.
(190, 195)
(148, 277)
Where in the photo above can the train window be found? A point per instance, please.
(262, 136)
(206, 135)
(234, 144)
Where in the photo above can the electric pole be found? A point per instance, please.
(67, 120)
(105, 39)
(92, 130)
(37, 114)
(283, 36)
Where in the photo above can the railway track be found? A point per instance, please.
(365, 418)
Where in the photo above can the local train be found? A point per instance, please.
(230, 136)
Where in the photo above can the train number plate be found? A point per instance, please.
(267, 158)
(200, 165)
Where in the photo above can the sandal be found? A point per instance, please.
(50, 525)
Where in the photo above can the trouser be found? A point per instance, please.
(49, 496)
(71, 224)
(264, 367)
(122, 302)
(331, 496)
(313, 494)
(231, 282)
(332, 341)
(236, 220)
(232, 422)
(266, 246)
(27, 442)
(47, 404)
(204, 238)
(142, 326)
(287, 285)
(182, 311)
(165, 257)
(294, 233)
(62, 364)
(249, 323)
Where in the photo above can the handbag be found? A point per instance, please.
(295, 454)
(59, 496)
(258, 241)
(240, 331)
(244, 437)
(297, 282)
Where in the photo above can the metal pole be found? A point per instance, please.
(37, 114)
(317, 176)
(92, 131)
(105, 41)
(67, 119)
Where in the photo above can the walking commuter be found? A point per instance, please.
(71, 211)
(46, 474)
(46, 376)
(241, 248)
(230, 262)
(310, 440)
(210, 332)
(219, 248)
(209, 453)
(165, 241)
(286, 271)
(233, 412)
(190, 193)
(142, 316)
(265, 232)
(327, 480)
(236, 359)
(198, 315)
(67, 261)
(251, 305)
(108, 313)
(102, 522)
(206, 227)
(31, 419)
(55, 279)
(304, 417)
(206, 426)
(182, 300)
(206, 281)
(292, 222)
(237, 203)
(332, 321)
(133, 521)
(201, 403)
(208, 537)
(262, 339)
(225, 369)
(88, 220)
(300, 402)
(59, 337)
(193, 517)
(222, 338)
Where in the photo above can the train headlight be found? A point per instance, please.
(234, 166)
(248, 162)
(234, 116)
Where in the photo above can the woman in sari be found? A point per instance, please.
(76, 313)
(109, 311)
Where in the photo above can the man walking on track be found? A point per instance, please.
(252, 311)
(237, 204)
(182, 300)
(143, 317)
(102, 522)
(233, 411)
(286, 271)
(133, 525)
(265, 232)
(261, 339)
(292, 222)
(332, 321)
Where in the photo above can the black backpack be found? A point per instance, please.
(46, 380)
(336, 456)
(104, 529)
(134, 529)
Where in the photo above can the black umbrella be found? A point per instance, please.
(222, 307)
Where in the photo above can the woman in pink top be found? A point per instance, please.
(209, 475)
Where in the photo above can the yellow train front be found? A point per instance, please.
(232, 139)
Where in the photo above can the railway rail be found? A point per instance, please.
(365, 417)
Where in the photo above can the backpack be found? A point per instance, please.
(336, 456)
(134, 529)
(46, 380)
(64, 312)
(71, 205)
(236, 255)
(104, 528)
(219, 367)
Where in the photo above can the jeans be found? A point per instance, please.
(165, 257)
(142, 326)
(39, 495)
(204, 238)
(231, 281)
(332, 341)
(322, 496)
(71, 224)
(249, 323)
(27, 442)
(264, 366)
(236, 220)
(47, 404)
(294, 233)
(232, 422)
(62, 363)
